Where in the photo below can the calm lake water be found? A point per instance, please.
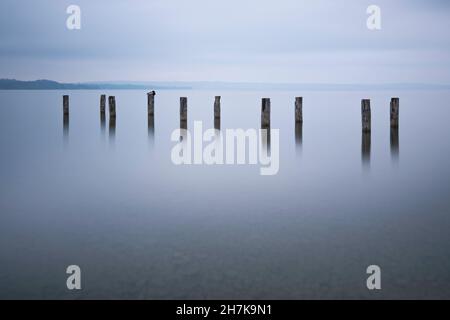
(111, 201)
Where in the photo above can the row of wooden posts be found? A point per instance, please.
(265, 110)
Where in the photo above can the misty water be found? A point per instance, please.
(109, 199)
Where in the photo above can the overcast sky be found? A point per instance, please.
(301, 41)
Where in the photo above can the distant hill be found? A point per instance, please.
(12, 84)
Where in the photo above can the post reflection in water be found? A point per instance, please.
(365, 148)
(112, 128)
(183, 129)
(183, 136)
(151, 128)
(217, 129)
(183, 140)
(66, 126)
(265, 140)
(395, 148)
(217, 124)
(298, 135)
(217, 152)
(103, 122)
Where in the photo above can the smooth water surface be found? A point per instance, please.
(108, 198)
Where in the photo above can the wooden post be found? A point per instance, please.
(265, 125)
(151, 103)
(217, 113)
(103, 112)
(217, 107)
(112, 106)
(395, 106)
(265, 113)
(366, 115)
(66, 115)
(102, 104)
(183, 113)
(66, 104)
(298, 109)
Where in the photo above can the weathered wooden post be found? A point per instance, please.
(366, 130)
(217, 107)
(265, 113)
(298, 122)
(112, 106)
(112, 117)
(395, 106)
(299, 109)
(366, 115)
(66, 104)
(103, 112)
(102, 104)
(151, 103)
(265, 125)
(183, 113)
(65, 116)
(217, 113)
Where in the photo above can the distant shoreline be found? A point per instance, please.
(12, 84)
